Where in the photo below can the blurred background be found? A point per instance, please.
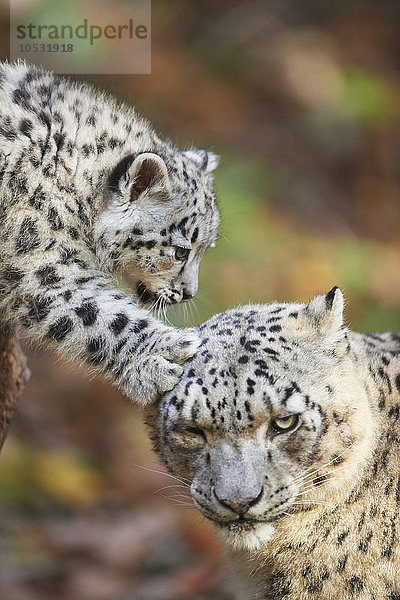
(301, 99)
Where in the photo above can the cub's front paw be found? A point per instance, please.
(178, 345)
(158, 369)
(151, 377)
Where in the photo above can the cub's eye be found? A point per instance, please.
(181, 253)
(284, 424)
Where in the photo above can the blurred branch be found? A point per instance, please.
(14, 374)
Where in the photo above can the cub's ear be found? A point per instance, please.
(147, 170)
(205, 161)
(325, 315)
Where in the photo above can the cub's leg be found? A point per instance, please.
(86, 318)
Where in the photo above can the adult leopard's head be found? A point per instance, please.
(160, 219)
(269, 417)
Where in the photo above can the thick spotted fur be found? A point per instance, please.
(287, 427)
(87, 189)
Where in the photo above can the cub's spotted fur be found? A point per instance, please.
(287, 425)
(88, 189)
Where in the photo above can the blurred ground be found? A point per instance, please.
(302, 102)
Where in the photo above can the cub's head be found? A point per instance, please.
(269, 418)
(161, 217)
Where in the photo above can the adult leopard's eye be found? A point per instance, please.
(188, 438)
(181, 253)
(195, 431)
(284, 424)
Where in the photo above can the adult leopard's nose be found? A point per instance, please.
(239, 506)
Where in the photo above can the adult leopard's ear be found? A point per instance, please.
(139, 174)
(325, 315)
(205, 161)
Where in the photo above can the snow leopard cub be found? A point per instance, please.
(87, 189)
(286, 426)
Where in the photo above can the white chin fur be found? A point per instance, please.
(248, 540)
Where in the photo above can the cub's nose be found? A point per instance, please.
(241, 506)
(187, 294)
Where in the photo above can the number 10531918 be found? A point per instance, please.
(45, 48)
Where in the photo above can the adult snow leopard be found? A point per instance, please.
(88, 189)
(286, 426)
